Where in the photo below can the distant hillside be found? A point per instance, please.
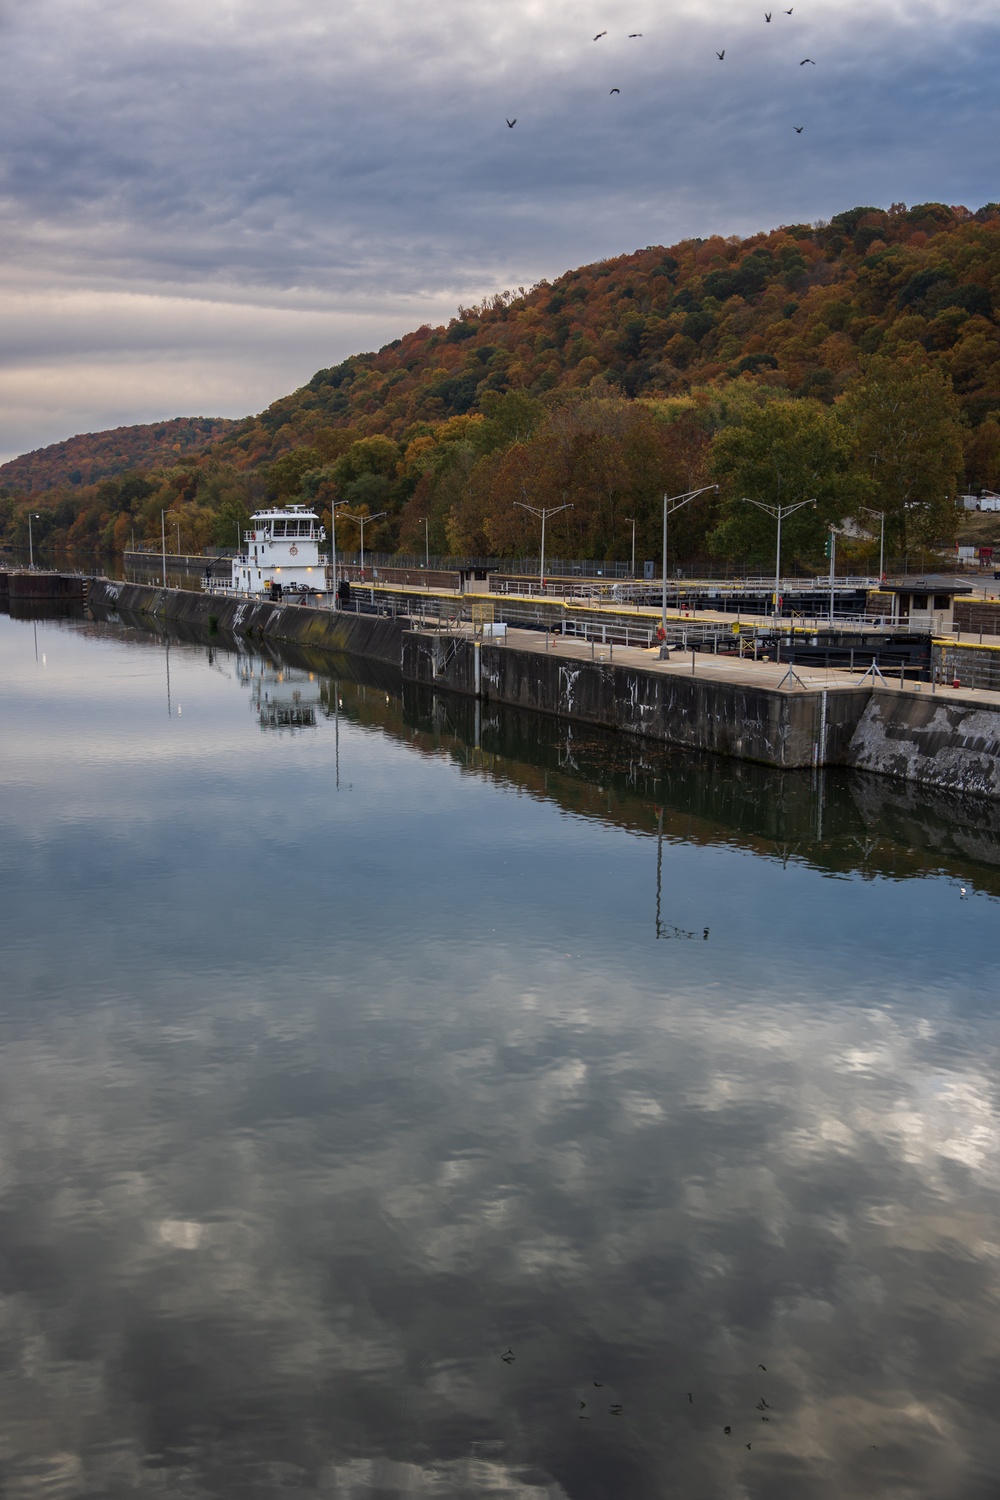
(99, 455)
(856, 362)
(792, 308)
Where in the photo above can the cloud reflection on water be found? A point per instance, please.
(271, 1225)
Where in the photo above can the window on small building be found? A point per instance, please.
(942, 601)
(920, 601)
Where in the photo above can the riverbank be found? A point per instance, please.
(748, 710)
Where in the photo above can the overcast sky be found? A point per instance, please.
(205, 203)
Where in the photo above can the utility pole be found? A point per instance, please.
(32, 516)
(779, 512)
(552, 510)
(163, 544)
(670, 504)
(632, 519)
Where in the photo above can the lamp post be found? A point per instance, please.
(833, 569)
(881, 539)
(779, 512)
(333, 544)
(32, 516)
(670, 504)
(163, 544)
(427, 543)
(632, 519)
(362, 522)
(552, 510)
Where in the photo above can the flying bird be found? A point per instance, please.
(511, 123)
(805, 60)
(798, 129)
(727, 1430)
(597, 38)
(721, 55)
(634, 34)
(762, 1367)
(767, 16)
(614, 91)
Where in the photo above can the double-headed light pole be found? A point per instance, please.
(670, 504)
(779, 512)
(363, 522)
(552, 510)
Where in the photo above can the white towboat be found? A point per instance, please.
(281, 555)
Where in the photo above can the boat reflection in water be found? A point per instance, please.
(283, 697)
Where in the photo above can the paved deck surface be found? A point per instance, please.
(731, 669)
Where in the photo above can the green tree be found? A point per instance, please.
(781, 452)
(902, 421)
(284, 476)
(232, 519)
(375, 455)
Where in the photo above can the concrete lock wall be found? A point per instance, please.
(916, 737)
(359, 635)
(929, 740)
(778, 729)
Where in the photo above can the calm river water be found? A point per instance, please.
(400, 1102)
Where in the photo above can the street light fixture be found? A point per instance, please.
(632, 519)
(427, 543)
(33, 515)
(552, 510)
(362, 522)
(779, 512)
(163, 544)
(881, 538)
(333, 544)
(670, 504)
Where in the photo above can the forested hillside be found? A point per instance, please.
(96, 455)
(857, 362)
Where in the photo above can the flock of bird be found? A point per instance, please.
(636, 35)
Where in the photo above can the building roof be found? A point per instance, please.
(926, 583)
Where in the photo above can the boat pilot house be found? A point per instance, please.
(924, 604)
(281, 555)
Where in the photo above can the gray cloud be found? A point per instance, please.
(356, 162)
